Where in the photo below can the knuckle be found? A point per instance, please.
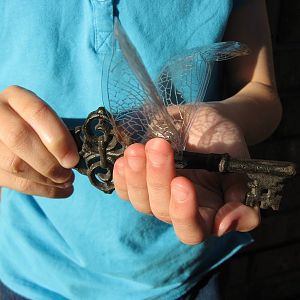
(39, 111)
(17, 137)
(16, 165)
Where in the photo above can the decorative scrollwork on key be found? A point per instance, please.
(264, 191)
(98, 149)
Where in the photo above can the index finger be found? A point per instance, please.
(45, 122)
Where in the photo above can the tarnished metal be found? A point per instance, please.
(99, 148)
(265, 177)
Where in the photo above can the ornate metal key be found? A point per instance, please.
(99, 148)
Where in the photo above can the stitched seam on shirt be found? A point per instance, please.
(105, 35)
(95, 23)
(108, 34)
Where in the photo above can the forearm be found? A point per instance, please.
(255, 106)
(256, 109)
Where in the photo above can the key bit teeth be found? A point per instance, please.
(266, 192)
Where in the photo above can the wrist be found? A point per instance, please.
(255, 109)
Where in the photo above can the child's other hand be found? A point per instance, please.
(197, 203)
(36, 149)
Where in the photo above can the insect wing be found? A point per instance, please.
(133, 100)
(183, 81)
(125, 99)
(141, 109)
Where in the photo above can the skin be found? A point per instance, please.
(36, 158)
(197, 203)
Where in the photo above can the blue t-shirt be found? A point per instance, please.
(92, 245)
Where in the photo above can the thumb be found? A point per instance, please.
(236, 216)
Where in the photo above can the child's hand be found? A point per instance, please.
(199, 203)
(36, 149)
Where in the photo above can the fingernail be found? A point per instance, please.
(179, 194)
(135, 163)
(70, 160)
(224, 228)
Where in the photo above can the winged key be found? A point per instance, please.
(139, 110)
(99, 148)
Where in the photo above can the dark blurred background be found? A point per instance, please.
(270, 268)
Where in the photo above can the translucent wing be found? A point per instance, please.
(126, 101)
(185, 78)
(143, 109)
(133, 98)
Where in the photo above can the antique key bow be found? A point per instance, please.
(139, 111)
